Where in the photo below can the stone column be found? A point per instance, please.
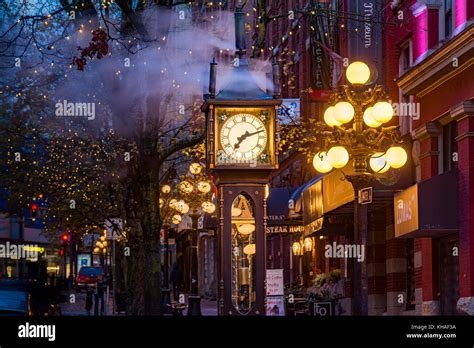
(396, 268)
(426, 33)
(463, 11)
(376, 262)
(464, 116)
(426, 286)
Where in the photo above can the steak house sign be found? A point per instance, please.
(284, 229)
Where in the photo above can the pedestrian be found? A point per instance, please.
(175, 278)
(89, 301)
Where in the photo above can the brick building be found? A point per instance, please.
(431, 62)
(420, 263)
(426, 66)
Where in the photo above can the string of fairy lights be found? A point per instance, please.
(209, 7)
(73, 169)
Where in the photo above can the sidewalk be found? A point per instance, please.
(78, 308)
(208, 307)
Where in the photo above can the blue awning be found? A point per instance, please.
(295, 203)
(277, 206)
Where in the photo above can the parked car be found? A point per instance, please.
(89, 277)
(28, 297)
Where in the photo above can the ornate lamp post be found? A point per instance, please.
(169, 214)
(195, 189)
(364, 141)
(101, 248)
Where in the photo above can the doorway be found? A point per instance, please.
(449, 274)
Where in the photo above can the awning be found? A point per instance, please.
(295, 202)
(318, 196)
(278, 220)
(428, 208)
(278, 211)
(331, 193)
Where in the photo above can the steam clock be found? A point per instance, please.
(241, 153)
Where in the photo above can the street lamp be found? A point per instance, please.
(101, 248)
(171, 211)
(352, 130)
(195, 189)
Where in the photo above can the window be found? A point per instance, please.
(405, 113)
(405, 61)
(243, 249)
(450, 147)
(448, 18)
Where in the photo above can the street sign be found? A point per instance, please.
(365, 195)
(201, 222)
(113, 228)
(83, 260)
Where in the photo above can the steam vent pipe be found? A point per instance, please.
(212, 78)
(276, 78)
(239, 17)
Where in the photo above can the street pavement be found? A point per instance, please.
(75, 305)
(208, 307)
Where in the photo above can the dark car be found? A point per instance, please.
(89, 277)
(28, 297)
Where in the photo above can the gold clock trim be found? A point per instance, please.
(270, 139)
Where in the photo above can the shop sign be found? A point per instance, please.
(276, 217)
(275, 282)
(314, 226)
(336, 190)
(406, 211)
(284, 229)
(364, 40)
(313, 207)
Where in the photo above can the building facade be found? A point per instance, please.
(426, 66)
(432, 64)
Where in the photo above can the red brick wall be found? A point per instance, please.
(466, 205)
(429, 157)
(444, 97)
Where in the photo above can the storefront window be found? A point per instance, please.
(243, 253)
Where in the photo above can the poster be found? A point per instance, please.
(83, 260)
(275, 306)
(275, 282)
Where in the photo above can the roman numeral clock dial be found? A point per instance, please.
(243, 137)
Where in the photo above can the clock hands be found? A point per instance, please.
(245, 136)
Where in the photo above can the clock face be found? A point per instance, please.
(243, 137)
